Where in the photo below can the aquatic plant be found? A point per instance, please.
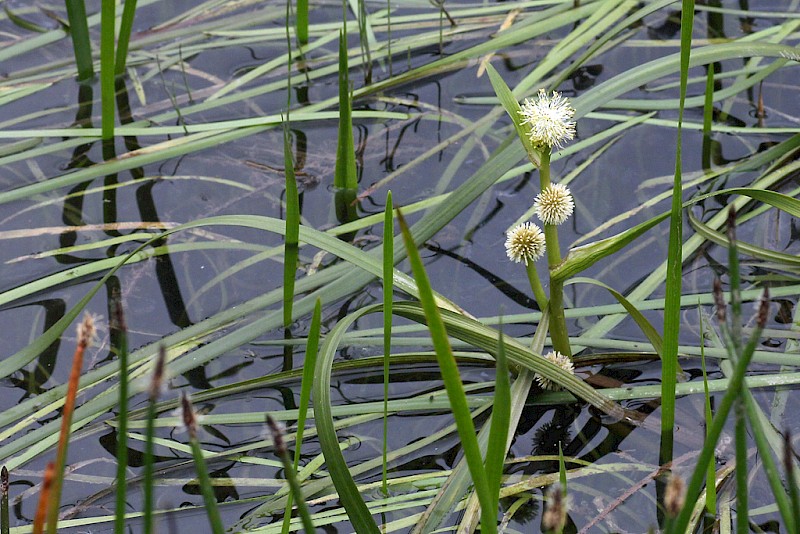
(411, 402)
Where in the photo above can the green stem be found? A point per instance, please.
(206, 488)
(558, 323)
(536, 286)
(742, 522)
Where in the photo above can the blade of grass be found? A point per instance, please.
(457, 483)
(305, 396)
(501, 419)
(788, 468)
(118, 324)
(107, 27)
(81, 44)
(156, 381)
(711, 473)
(4, 519)
(765, 455)
(345, 171)
(291, 241)
(350, 497)
(388, 268)
(672, 307)
(302, 22)
(453, 384)
(123, 41)
(206, 488)
(291, 475)
(734, 391)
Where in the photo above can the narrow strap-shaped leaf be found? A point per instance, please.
(351, 499)
(452, 383)
(344, 176)
(291, 241)
(501, 417)
(641, 321)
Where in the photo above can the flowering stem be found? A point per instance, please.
(558, 323)
(536, 286)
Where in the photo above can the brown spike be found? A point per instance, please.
(719, 300)
(277, 436)
(763, 309)
(117, 313)
(731, 224)
(189, 417)
(158, 374)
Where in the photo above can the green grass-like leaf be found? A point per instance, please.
(118, 323)
(81, 44)
(123, 41)
(453, 384)
(388, 268)
(305, 396)
(107, 74)
(501, 419)
(291, 246)
(344, 176)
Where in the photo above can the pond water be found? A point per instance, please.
(181, 57)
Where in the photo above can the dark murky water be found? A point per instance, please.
(466, 260)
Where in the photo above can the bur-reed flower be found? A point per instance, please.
(554, 204)
(549, 119)
(525, 242)
(560, 360)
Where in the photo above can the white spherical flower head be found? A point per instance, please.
(550, 120)
(525, 242)
(560, 360)
(554, 205)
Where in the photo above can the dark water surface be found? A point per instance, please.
(466, 260)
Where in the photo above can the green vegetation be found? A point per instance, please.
(351, 372)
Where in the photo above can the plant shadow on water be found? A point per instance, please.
(192, 185)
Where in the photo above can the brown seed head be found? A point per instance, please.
(554, 516)
(731, 224)
(674, 495)
(763, 309)
(189, 417)
(158, 374)
(4, 482)
(719, 300)
(117, 313)
(87, 331)
(277, 436)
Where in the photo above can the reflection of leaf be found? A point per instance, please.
(24, 24)
(232, 371)
(223, 485)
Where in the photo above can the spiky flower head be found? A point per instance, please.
(554, 204)
(560, 360)
(550, 120)
(525, 242)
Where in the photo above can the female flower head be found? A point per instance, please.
(560, 360)
(549, 119)
(554, 204)
(525, 242)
